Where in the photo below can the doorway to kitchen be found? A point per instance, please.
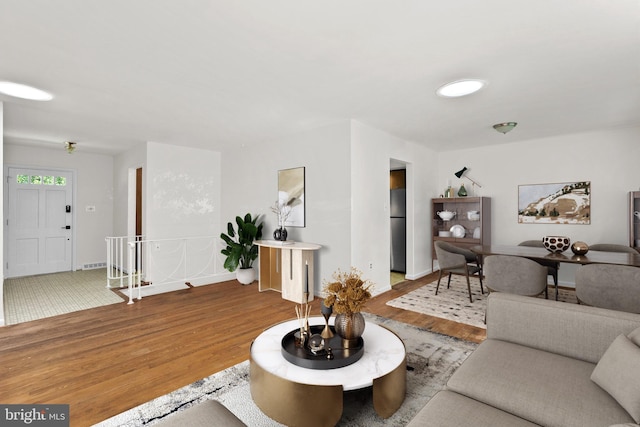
(398, 223)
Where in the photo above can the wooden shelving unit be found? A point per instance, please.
(634, 221)
(461, 205)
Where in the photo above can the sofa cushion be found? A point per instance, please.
(544, 388)
(635, 336)
(207, 413)
(451, 409)
(618, 372)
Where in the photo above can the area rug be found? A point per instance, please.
(453, 303)
(36, 297)
(431, 359)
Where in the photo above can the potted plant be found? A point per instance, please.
(240, 250)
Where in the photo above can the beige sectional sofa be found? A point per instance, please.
(545, 363)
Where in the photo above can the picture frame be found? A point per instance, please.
(291, 193)
(555, 203)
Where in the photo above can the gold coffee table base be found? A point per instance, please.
(294, 404)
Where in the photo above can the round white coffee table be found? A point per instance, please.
(298, 396)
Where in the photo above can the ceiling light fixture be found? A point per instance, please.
(70, 146)
(18, 90)
(460, 88)
(505, 127)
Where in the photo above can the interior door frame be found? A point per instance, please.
(5, 211)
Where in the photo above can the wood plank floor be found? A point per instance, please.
(109, 359)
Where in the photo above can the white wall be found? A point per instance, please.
(123, 165)
(2, 231)
(250, 183)
(371, 153)
(94, 187)
(183, 192)
(610, 159)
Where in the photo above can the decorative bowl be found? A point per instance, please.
(556, 244)
(580, 248)
(446, 215)
(444, 233)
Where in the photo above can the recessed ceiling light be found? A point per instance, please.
(23, 91)
(460, 88)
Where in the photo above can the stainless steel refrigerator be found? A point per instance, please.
(398, 208)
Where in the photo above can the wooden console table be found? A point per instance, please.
(287, 267)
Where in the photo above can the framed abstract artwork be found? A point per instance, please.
(559, 203)
(291, 196)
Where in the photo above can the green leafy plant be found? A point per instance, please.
(240, 250)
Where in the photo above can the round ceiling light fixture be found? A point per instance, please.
(460, 88)
(505, 127)
(18, 90)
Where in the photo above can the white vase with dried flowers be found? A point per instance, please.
(348, 294)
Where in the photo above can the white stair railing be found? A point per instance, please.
(118, 269)
(161, 262)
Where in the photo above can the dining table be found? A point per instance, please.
(542, 254)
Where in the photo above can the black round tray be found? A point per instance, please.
(302, 356)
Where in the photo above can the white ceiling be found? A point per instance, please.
(212, 74)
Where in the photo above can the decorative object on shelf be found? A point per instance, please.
(580, 248)
(348, 294)
(462, 192)
(444, 233)
(458, 231)
(505, 127)
(241, 250)
(446, 215)
(637, 214)
(473, 215)
(461, 173)
(280, 234)
(448, 192)
(291, 195)
(556, 244)
(556, 203)
(326, 313)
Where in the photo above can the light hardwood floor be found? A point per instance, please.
(109, 359)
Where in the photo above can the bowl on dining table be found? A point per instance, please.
(556, 244)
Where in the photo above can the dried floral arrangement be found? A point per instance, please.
(347, 293)
(282, 211)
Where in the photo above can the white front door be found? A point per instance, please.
(39, 220)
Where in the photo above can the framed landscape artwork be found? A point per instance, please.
(560, 203)
(291, 195)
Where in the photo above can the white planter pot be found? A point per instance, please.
(246, 276)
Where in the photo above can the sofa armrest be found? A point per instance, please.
(577, 331)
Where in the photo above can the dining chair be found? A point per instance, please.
(615, 287)
(455, 260)
(514, 275)
(611, 247)
(552, 266)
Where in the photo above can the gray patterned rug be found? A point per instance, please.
(453, 303)
(431, 359)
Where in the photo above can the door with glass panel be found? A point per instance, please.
(39, 221)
